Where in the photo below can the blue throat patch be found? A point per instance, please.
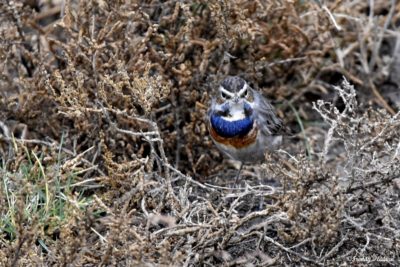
(226, 128)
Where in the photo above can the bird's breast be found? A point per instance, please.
(238, 134)
(231, 128)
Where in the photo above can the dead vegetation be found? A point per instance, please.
(105, 156)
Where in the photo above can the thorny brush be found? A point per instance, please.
(105, 157)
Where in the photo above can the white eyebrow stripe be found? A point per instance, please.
(222, 89)
(243, 89)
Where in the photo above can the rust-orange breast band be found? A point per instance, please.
(236, 141)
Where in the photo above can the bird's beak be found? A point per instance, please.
(236, 99)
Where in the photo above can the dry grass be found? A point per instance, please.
(105, 156)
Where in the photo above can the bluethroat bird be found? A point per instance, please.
(242, 123)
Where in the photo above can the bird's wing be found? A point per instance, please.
(269, 123)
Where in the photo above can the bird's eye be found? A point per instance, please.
(245, 93)
(224, 95)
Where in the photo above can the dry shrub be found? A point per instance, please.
(105, 156)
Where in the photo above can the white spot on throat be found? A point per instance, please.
(236, 113)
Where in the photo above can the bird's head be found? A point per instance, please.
(235, 98)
